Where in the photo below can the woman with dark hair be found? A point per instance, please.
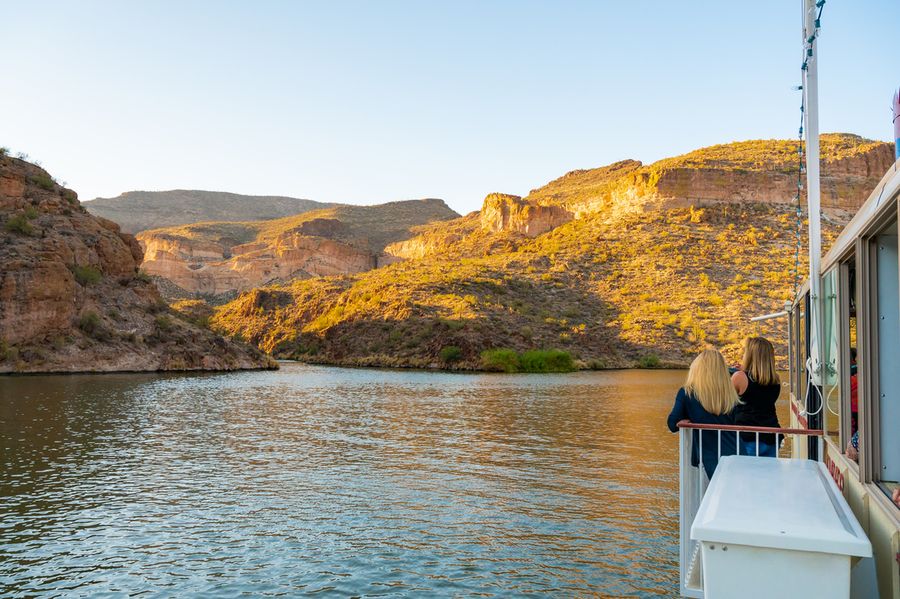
(758, 386)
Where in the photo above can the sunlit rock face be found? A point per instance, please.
(218, 260)
(70, 295)
(211, 269)
(504, 212)
(845, 182)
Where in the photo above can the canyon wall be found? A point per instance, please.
(203, 268)
(71, 298)
(216, 261)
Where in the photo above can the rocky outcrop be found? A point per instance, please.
(417, 247)
(756, 171)
(207, 269)
(71, 298)
(504, 212)
(847, 177)
(845, 183)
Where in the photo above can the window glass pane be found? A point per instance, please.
(802, 354)
(887, 320)
(831, 354)
(852, 369)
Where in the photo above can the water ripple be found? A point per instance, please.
(334, 482)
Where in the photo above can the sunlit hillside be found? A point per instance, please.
(618, 284)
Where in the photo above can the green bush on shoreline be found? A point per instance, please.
(649, 361)
(535, 360)
(500, 360)
(450, 354)
(546, 360)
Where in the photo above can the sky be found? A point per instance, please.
(367, 102)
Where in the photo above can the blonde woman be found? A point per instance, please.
(707, 397)
(758, 386)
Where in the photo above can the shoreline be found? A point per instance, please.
(12, 374)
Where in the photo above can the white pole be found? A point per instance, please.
(811, 90)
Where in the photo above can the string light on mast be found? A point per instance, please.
(807, 55)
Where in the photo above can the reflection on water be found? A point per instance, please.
(353, 482)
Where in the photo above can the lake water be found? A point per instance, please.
(343, 482)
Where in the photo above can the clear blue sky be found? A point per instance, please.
(366, 102)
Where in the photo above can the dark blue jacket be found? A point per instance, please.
(688, 408)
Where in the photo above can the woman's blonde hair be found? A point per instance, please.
(759, 361)
(709, 382)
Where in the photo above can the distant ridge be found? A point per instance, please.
(137, 211)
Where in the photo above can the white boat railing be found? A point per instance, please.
(693, 482)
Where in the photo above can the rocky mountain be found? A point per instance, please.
(622, 265)
(216, 260)
(71, 296)
(137, 211)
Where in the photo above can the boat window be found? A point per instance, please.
(850, 404)
(831, 356)
(886, 402)
(802, 350)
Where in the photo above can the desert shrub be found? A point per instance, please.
(19, 224)
(598, 364)
(500, 360)
(142, 276)
(157, 307)
(43, 181)
(4, 151)
(4, 350)
(163, 322)
(453, 325)
(31, 213)
(649, 361)
(70, 196)
(546, 360)
(87, 275)
(451, 353)
(90, 325)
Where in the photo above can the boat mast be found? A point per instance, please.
(896, 110)
(813, 191)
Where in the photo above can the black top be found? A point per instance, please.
(757, 408)
(687, 407)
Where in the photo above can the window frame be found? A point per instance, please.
(844, 339)
(869, 417)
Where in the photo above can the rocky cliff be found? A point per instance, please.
(636, 266)
(137, 211)
(218, 260)
(504, 212)
(71, 298)
(759, 171)
(756, 172)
